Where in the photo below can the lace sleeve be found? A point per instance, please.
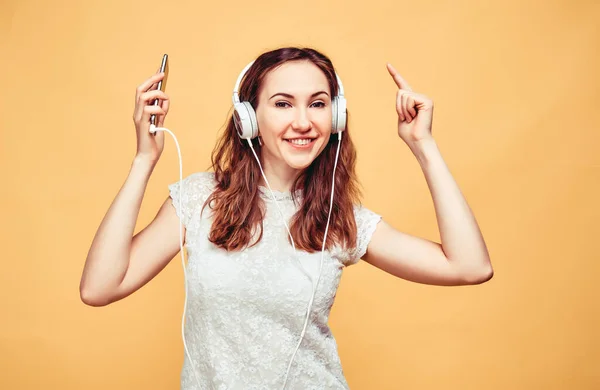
(189, 199)
(366, 222)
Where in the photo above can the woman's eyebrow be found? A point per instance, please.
(287, 95)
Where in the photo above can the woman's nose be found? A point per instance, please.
(301, 120)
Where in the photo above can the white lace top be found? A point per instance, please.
(246, 309)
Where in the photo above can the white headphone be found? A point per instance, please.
(246, 125)
(244, 115)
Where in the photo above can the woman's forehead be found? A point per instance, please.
(295, 77)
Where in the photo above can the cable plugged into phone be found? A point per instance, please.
(153, 129)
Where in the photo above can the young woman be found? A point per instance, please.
(256, 267)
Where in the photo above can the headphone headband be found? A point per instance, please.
(236, 96)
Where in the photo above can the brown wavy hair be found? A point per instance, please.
(238, 209)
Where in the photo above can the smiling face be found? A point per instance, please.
(294, 116)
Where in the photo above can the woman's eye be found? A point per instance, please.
(282, 104)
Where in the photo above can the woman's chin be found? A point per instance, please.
(298, 161)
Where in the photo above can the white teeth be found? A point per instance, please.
(300, 141)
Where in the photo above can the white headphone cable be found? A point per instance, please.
(153, 130)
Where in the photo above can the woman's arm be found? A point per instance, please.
(117, 264)
(462, 257)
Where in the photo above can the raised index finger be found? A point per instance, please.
(400, 82)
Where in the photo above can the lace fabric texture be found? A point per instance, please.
(246, 309)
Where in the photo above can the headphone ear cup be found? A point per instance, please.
(253, 120)
(334, 115)
(245, 121)
(338, 115)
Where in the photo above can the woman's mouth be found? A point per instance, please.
(301, 143)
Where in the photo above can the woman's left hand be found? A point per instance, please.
(415, 111)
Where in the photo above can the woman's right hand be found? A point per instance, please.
(150, 146)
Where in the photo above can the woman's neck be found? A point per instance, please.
(280, 175)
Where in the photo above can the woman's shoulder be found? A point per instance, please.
(362, 213)
(201, 179)
(197, 185)
(366, 222)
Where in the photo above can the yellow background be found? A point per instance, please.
(516, 92)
